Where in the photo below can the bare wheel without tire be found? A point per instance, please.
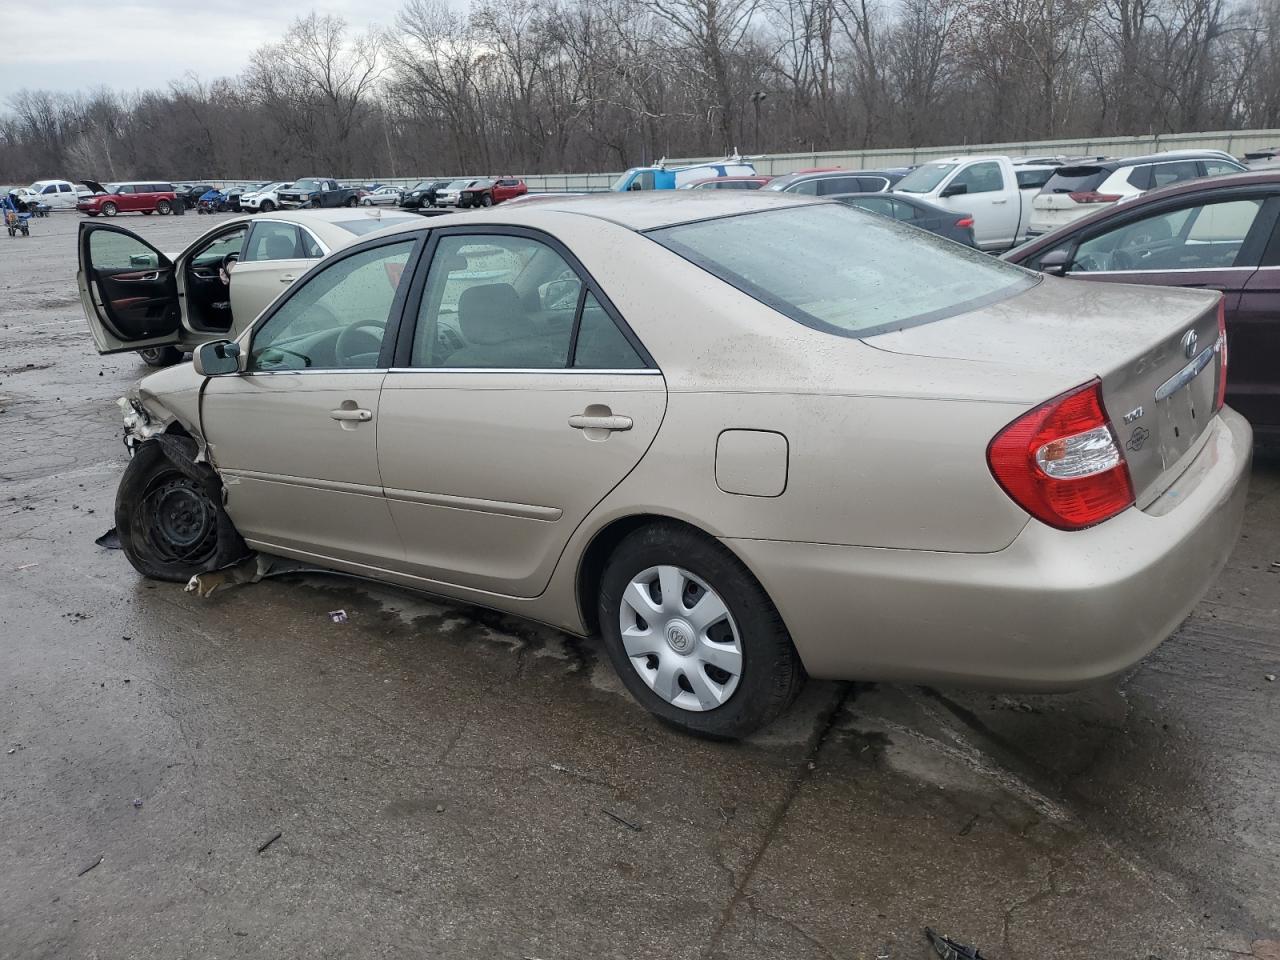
(693, 635)
(169, 518)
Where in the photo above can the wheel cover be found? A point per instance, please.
(178, 519)
(680, 638)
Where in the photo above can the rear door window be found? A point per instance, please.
(830, 185)
(1163, 174)
(273, 241)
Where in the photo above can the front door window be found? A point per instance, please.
(337, 319)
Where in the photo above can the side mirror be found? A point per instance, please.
(554, 294)
(955, 189)
(217, 359)
(1056, 262)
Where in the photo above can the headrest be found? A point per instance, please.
(280, 247)
(491, 313)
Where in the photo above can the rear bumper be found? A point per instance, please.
(1053, 610)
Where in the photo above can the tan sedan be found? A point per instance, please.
(743, 438)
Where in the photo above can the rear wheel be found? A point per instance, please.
(164, 208)
(171, 524)
(693, 635)
(352, 202)
(160, 356)
(109, 209)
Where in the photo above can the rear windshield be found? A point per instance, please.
(923, 179)
(842, 270)
(307, 185)
(1076, 179)
(370, 224)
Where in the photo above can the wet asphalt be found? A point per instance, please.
(241, 776)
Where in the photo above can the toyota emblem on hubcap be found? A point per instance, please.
(679, 637)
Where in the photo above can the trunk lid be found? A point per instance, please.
(1153, 348)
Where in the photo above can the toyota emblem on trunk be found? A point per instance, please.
(1189, 343)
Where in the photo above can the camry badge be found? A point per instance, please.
(1189, 340)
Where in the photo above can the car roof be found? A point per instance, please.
(639, 211)
(1162, 194)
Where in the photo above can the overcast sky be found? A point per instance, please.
(78, 44)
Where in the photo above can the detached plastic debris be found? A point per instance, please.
(949, 949)
(338, 616)
(110, 540)
(250, 570)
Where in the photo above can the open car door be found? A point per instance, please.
(128, 289)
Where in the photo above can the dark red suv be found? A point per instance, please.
(1217, 234)
(139, 196)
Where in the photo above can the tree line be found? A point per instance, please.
(534, 86)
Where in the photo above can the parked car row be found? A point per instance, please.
(729, 527)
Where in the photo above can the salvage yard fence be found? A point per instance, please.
(1235, 142)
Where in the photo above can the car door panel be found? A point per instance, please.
(1253, 342)
(128, 290)
(294, 476)
(487, 479)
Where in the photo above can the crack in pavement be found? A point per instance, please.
(802, 776)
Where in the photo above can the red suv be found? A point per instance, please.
(141, 196)
(485, 193)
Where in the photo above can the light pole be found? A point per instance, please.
(756, 99)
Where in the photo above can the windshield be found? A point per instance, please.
(423, 185)
(370, 224)
(844, 271)
(457, 184)
(924, 179)
(305, 185)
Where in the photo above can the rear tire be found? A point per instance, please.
(769, 675)
(160, 356)
(109, 209)
(164, 208)
(352, 202)
(170, 525)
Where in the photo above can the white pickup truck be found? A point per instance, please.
(984, 187)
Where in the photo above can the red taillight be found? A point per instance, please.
(1062, 463)
(1221, 398)
(965, 223)
(1092, 196)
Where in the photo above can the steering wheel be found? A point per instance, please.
(348, 345)
(224, 267)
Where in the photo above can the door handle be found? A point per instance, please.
(996, 203)
(360, 416)
(582, 421)
(288, 278)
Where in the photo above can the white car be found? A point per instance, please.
(263, 199)
(382, 197)
(448, 197)
(58, 194)
(1079, 189)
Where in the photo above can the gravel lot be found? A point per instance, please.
(447, 782)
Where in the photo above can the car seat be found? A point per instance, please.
(498, 331)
